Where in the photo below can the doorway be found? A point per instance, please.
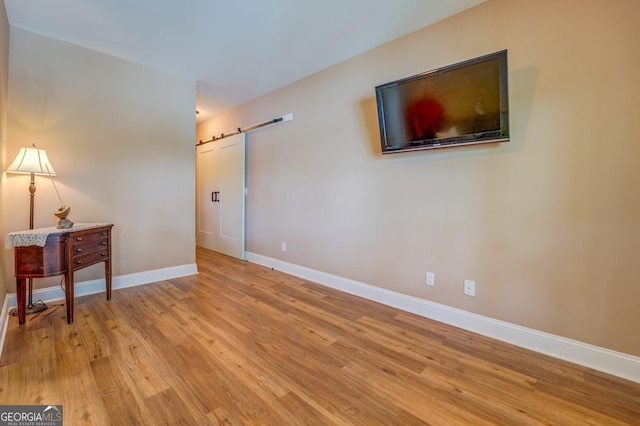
(220, 183)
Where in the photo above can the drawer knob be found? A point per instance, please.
(78, 262)
(78, 238)
(104, 243)
(78, 250)
(103, 254)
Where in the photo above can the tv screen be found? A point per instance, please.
(460, 104)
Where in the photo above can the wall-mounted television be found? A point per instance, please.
(460, 104)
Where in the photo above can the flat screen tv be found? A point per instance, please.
(460, 104)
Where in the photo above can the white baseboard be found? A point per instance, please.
(597, 358)
(84, 288)
(4, 322)
(601, 359)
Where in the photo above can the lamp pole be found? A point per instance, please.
(32, 196)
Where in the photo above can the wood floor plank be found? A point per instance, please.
(168, 408)
(117, 393)
(302, 412)
(77, 383)
(240, 344)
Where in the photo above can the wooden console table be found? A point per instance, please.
(47, 252)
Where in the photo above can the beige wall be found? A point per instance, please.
(547, 224)
(119, 135)
(4, 82)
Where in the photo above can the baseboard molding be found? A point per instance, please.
(597, 358)
(84, 288)
(4, 322)
(601, 359)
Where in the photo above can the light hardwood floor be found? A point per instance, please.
(243, 344)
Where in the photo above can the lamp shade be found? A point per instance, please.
(32, 160)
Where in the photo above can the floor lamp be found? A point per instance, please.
(32, 161)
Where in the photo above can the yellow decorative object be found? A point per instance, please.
(61, 214)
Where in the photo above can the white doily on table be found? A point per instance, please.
(38, 237)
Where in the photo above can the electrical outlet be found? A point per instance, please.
(469, 287)
(284, 247)
(431, 279)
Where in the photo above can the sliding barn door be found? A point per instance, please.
(220, 172)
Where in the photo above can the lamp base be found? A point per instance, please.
(34, 308)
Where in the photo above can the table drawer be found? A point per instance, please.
(89, 247)
(80, 261)
(90, 238)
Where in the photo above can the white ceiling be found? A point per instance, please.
(236, 50)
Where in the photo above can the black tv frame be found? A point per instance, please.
(500, 118)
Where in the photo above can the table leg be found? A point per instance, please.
(21, 294)
(68, 290)
(107, 277)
